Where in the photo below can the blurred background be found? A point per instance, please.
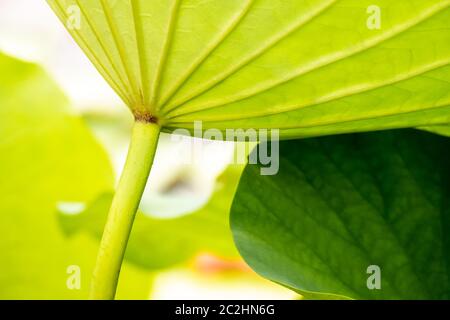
(181, 247)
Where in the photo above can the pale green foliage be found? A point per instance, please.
(47, 156)
(173, 241)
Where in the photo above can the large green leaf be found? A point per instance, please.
(47, 158)
(341, 204)
(307, 67)
(442, 129)
(160, 243)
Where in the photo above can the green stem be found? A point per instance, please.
(123, 210)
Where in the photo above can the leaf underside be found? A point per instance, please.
(341, 204)
(306, 67)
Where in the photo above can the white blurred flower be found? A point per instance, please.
(31, 31)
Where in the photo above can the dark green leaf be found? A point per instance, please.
(341, 204)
